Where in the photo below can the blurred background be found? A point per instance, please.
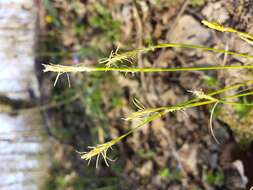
(42, 125)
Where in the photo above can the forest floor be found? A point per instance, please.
(173, 152)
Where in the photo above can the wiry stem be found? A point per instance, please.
(75, 69)
(152, 114)
(115, 57)
(103, 148)
(148, 115)
(219, 27)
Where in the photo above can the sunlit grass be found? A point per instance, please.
(147, 115)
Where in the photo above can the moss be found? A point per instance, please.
(197, 2)
(214, 178)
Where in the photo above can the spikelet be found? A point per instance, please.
(147, 112)
(200, 94)
(114, 58)
(100, 149)
(216, 26)
(66, 69)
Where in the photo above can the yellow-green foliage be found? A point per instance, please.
(197, 2)
(147, 115)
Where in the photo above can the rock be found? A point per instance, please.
(146, 169)
(233, 179)
(221, 15)
(240, 168)
(188, 158)
(189, 31)
(241, 46)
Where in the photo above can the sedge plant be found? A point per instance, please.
(147, 115)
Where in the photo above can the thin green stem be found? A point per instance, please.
(147, 120)
(197, 102)
(200, 47)
(240, 95)
(75, 69)
(115, 57)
